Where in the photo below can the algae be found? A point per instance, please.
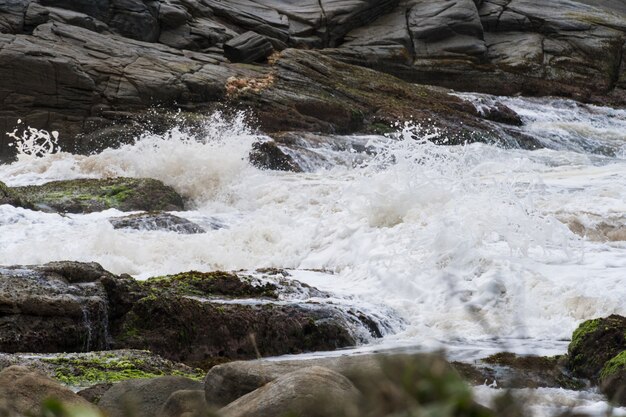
(614, 365)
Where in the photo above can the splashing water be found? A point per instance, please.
(34, 142)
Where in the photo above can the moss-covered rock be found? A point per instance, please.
(594, 343)
(87, 369)
(10, 197)
(90, 195)
(156, 220)
(613, 379)
(517, 371)
(208, 284)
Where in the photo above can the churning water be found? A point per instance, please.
(474, 248)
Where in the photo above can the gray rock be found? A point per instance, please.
(52, 308)
(248, 47)
(186, 403)
(308, 392)
(146, 397)
(225, 383)
(156, 221)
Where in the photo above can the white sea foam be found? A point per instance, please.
(464, 243)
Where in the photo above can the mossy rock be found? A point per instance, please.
(210, 284)
(87, 369)
(91, 195)
(613, 379)
(594, 343)
(9, 196)
(528, 371)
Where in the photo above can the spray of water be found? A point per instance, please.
(33, 143)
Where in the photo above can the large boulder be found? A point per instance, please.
(145, 397)
(307, 392)
(185, 403)
(90, 195)
(52, 308)
(594, 343)
(25, 390)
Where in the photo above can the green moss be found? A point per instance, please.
(616, 364)
(582, 330)
(82, 371)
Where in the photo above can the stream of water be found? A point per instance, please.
(474, 248)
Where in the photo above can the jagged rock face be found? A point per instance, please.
(80, 67)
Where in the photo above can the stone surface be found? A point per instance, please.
(98, 367)
(145, 397)
(613, 379)
(307, 392)
(89, 195)
(52, 308)
(248, 47)
(25, 390)
(185, 403)
(594, 343)
(156, 221)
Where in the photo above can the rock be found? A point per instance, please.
(613, 379)
(10, 197)
(227, 382)
(25, 390)
(156, 221)
(514, 371)
(268, 155)
(175, 316)
(185, 403)
(95, 392)
(90, 195)
(313, 391)
(52, 308)
(594, 343)
(145, 397)
(101, 368)
(248, 47)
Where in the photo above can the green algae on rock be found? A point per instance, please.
(91, 195)
(10, 197)
(594, 343)
(613, 379)
(86, 369)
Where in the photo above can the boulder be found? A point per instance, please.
(52, 308)
(25, 390)
(145, 397)
(90, 195)
(248, 47)
(594, 343)
(152, 221)
(613, 379)
(268, 155)
(10, 197)
(95, 392)
(185, 403)
(308, 392)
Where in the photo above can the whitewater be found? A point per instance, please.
(474, 248)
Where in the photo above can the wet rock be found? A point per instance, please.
(105, 367)
(52, 308)
(95, 392)
(313, 391)
(156, 221)
(594, 343)
(514, 371)
(201, 333)
(268, 155)
(90, 195)
(25, 391)
(145, 397)
(248, 47)
(613, 379)
(10, 197)
(185, 403)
